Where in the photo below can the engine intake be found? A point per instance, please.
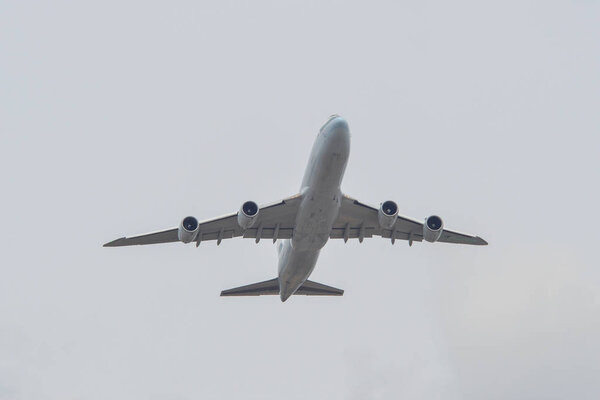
(188, 229)
(388, 213)
(432, 229)
(247, 215)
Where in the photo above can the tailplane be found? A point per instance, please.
(271, 287)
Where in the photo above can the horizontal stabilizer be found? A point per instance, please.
(271, 287)
(310, 288)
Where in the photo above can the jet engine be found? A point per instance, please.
(247, 215)
(388, 213)
(432, 229)
(188, 229)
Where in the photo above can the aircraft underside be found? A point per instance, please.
(303, 223)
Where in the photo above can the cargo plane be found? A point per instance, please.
(304, 222)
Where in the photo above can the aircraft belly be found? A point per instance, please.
(298, 265)
(299, 255)
(321, 202)
(315, 220)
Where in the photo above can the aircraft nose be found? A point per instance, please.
(338, 130)
(338, 126)
(338, 134)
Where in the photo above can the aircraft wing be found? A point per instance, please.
(358, 220)
(274, 221)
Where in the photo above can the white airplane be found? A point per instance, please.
(306, 221)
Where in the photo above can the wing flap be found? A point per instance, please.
(269, 232)
(353, 232)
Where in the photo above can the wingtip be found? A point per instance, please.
(114, 243)
(482, 241)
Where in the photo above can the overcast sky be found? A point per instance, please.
(122, 117)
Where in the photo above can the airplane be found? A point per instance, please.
(304, 222)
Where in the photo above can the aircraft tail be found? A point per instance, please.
(271, 287)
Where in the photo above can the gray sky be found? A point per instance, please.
(121, 117)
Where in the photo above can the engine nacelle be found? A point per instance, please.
(247, 215)
(388, 213)
(188, 229)
(432, 229)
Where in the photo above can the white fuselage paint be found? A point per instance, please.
(319, 208)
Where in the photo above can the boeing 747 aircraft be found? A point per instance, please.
(304, 222)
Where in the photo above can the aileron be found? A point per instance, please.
(167, 236)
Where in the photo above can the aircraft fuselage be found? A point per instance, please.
(319, 208)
